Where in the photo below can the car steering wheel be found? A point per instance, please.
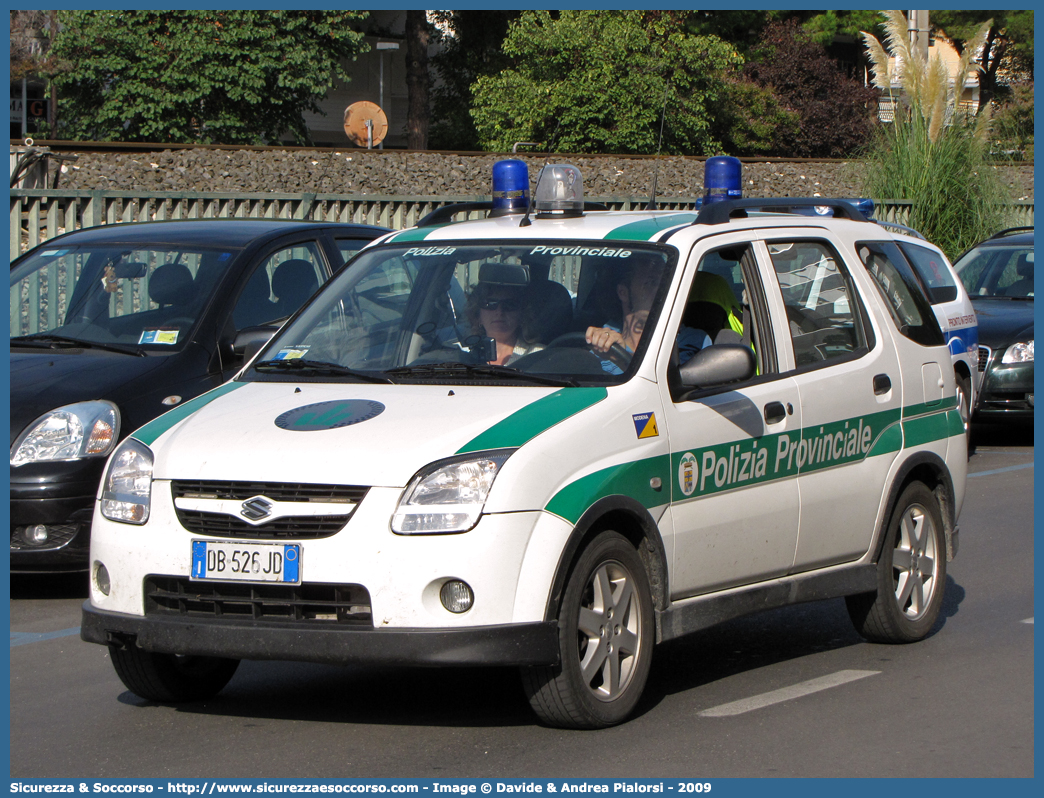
(617, 354)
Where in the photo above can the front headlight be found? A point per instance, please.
(448, 497)
(126, 493)
(1019, 353)
(84, 429)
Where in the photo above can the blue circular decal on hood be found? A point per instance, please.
(329, 415)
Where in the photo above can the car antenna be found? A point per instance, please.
(656, 169)
(529, 206)
(532, 200)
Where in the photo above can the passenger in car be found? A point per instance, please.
(495, 311)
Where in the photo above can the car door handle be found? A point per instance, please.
(775, 412)
(882, 384)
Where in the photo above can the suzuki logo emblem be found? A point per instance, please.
(256, 508)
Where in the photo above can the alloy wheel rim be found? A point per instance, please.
(609, 630)
(915, 563)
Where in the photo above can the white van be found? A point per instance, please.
(551, 441)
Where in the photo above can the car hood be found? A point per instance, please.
(1003, 321)
(42, 380)
(347, 433)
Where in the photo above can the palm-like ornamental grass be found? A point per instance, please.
(933, 153)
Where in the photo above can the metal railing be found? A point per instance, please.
(40, 214)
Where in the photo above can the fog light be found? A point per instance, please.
(101, 578)
(1029, 398)
(456, 596)
(36, 534)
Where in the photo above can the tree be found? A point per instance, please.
(597, 81)
(835, 113)
(1008, 46)
(230, 77)
(472, 46)
(417, 78)
(31, 36)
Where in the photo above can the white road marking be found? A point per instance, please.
(21, 638)
(993, 471)
(1028, 620)
(785, 693)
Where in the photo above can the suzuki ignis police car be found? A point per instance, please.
(550, 440)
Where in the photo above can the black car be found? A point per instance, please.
(998, 274)
(113, 325)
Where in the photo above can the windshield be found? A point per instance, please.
(997, 271)
(457, 311)
(137, 295)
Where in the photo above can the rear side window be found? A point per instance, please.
(906, 302)
(823, 311)
(930, 267)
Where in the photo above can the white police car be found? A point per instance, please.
(551, 441)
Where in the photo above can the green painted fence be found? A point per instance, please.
(40, 214)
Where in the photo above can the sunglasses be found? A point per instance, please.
(507, 305)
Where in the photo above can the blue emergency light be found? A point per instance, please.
(510, 187)
(722, 179)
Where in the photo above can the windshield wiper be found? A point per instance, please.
(479, 369)
(318, 367)
(51, 341)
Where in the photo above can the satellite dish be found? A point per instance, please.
(365, 124)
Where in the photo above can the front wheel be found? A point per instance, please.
(170, 678)
(911, 573)
(605, 630)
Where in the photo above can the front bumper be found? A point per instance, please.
(1006, 391)
(60, 497)
(513, 644)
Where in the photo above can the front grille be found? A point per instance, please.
(294, 527)
(312, 603)
(984, 359)
(276, 491)
(308, 527)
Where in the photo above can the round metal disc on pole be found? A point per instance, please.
(365, 124)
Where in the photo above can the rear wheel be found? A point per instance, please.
(605, 629)
(911, 573)
(169, 677)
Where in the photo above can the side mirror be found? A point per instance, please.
(249, 341)
(718, 365)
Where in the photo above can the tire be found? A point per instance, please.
(169, 678)
(911, 573)
(605, 633)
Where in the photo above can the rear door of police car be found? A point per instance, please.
(733, 512)
(850, 387)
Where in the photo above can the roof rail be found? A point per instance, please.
(1010, 231)
(721, 212)
(445, 214)
(902, 228)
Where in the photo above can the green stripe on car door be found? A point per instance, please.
(151, 431)
(534, 418)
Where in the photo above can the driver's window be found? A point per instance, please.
(718, 308)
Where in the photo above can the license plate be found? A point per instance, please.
(246, 562)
